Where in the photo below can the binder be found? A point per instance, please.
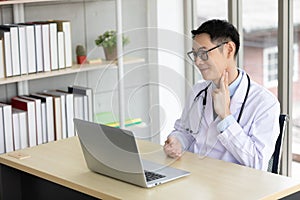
(65, 26)
(76, 89)
(2, 66)
(8, 128)
(2, 143)
(62, 109)
(69, 114)
(5, 36)
(23, 134)
(29, 107)
(15, 52)
(38, 114)
(49, 114)
(30, 47)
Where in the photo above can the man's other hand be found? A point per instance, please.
(173, 147)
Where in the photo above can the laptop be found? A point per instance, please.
(113, 152)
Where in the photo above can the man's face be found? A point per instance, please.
(213, 67)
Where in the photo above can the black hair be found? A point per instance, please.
(221, 31)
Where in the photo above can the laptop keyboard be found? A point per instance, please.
(150, 176)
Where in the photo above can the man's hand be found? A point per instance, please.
(173, 147)
(221, 97)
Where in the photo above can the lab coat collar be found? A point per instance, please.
(239, 95)
(209, 110)
(235, 102)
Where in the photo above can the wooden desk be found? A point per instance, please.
(61, 163)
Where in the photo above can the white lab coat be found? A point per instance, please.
(250, 142)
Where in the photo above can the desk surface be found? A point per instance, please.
(62, 162)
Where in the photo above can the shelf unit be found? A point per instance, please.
(22, 81)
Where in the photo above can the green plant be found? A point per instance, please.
(80, 50)
(109, 39)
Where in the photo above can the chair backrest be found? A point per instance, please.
(274, 162)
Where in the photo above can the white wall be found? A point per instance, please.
(167, 17)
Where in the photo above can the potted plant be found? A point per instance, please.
(108, 40)
(80, 54)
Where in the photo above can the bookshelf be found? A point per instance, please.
(31, 83)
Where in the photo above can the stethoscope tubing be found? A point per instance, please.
(205, 97)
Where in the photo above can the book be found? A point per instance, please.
(38, 114)
(44, 122)
(2, 66)
(76, 89)
(29, 107)
(57, 115)
(23, 136)
(14, 42)
(109, 119)
(46, 47)
(16, 129)
(53, 45)
(48, 100)
(38, 47)
(128, 122)
(62, 109)
(5, 37)
(8, 127)
(85, 108)
(65, 26)
(61, 50)
(30, 47)
(22, 49)
(69, 104)
(43, 42)
(78, 106)
(2, 143)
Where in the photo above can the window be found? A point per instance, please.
(296, 94)
(270, 63)
(207, 10)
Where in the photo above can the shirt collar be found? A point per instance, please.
(234, 85)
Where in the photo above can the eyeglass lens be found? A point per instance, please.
(202, 54)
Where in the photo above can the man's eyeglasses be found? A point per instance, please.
(202, 54)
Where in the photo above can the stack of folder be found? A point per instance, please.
(109, 119)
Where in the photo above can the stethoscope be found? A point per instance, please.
(189, 130)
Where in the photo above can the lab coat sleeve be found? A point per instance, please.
(186, 139)
(253, 147)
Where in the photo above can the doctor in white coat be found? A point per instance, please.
(227, 116)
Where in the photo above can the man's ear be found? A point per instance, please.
(230, 49)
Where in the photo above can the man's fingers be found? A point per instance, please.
(172, 147)
(223, 84)
(226, 79)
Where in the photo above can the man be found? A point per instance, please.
(227, 116)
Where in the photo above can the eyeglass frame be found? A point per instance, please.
(203, 52)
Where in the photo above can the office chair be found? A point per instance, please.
(274, 162)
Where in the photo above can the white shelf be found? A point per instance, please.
(10, 2)
(74, 69)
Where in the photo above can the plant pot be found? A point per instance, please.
(81, 59)
(110, 53)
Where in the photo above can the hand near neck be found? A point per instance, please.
(221, 96)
